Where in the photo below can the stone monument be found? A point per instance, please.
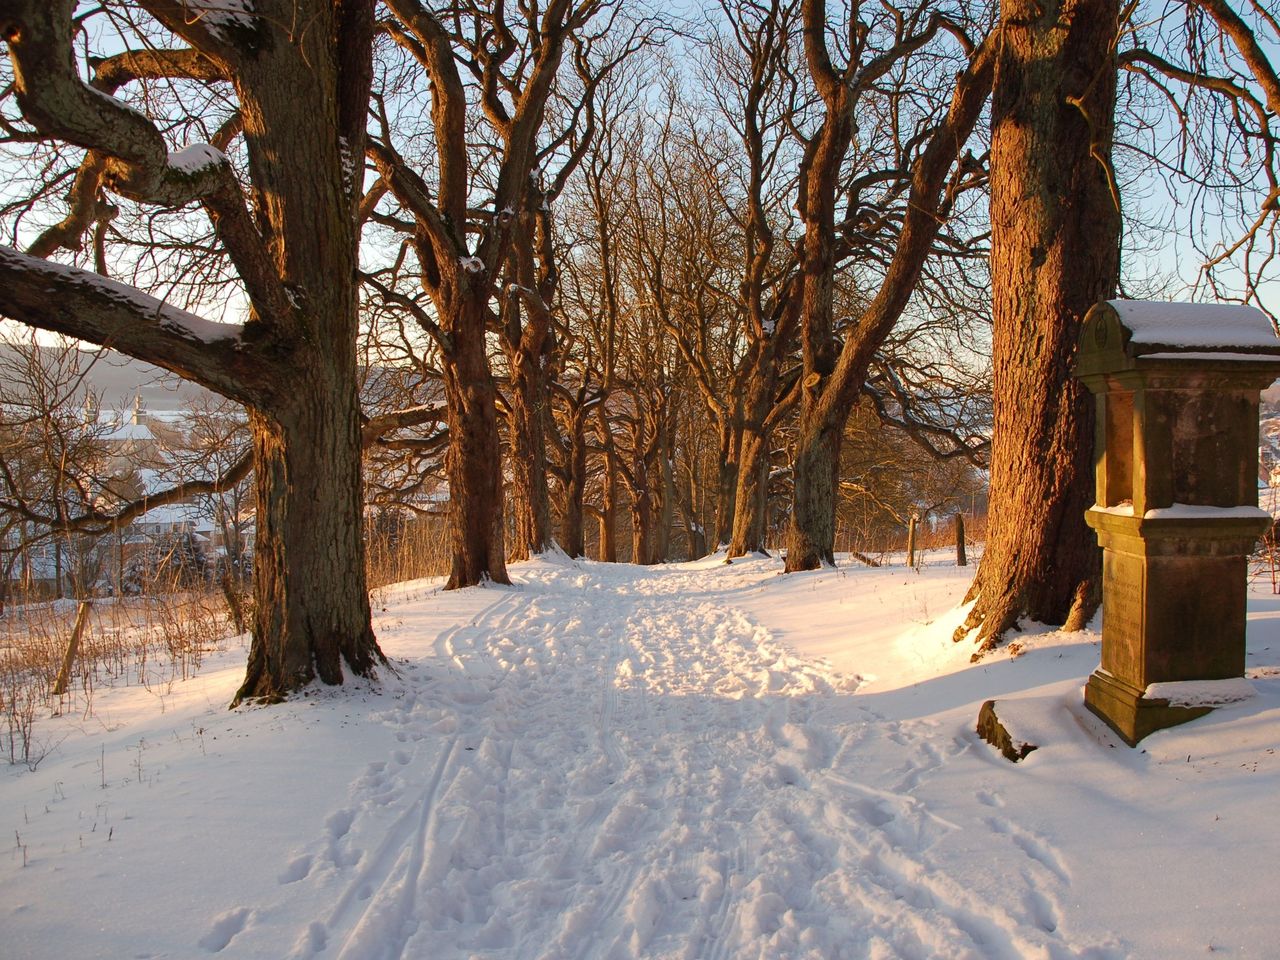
(1176, 512)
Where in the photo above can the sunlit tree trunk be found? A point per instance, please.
(1054, 253)
(474, 458)
(727, 479)
(608, 517)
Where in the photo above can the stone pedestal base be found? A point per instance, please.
(1125, 710)
(1173, 609)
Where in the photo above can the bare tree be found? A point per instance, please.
(595, 318)
(527, 324)
(300, 74)
(511, 62)
(215, 442)
(931, 173)
(54, 463)
(758, 91)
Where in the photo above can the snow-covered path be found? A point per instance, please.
(607, 763)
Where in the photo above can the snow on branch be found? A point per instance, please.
(88, 306)
(221, 15)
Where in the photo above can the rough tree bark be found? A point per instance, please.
(311, 601)
(727, 476)
(526, 347)
(666, 429)
(750, 518)
(293, 363)
(639, 481)
(531, 497)
(608, 515)
(473, 462)
(1055, 222)
(573, 471)
(764, 410)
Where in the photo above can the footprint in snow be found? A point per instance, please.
(1041, 910)
(296, 870)
(1035, 848)
(874, 813)
(224, 929)
(312, 941)
(785, 775)
(339, 824)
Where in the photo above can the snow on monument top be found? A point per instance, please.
(1186, 325)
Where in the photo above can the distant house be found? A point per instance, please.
(137, 460)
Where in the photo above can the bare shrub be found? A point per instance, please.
(151, 641)
(406, 547)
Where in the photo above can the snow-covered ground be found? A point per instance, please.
(694, 761)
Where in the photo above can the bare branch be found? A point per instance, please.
(85, 305)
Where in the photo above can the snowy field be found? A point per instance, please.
(693, 761)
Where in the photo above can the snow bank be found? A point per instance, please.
(608, 762)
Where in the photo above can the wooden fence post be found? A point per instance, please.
(64, 675)
(961, 559)
(911, 541)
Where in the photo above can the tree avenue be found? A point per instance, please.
(779, 278)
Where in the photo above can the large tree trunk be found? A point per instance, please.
(473, 463)
(311, 610)
(641, 511)
(575, 484)
(667, 499)
(727, 479)
(530, 498)
(751, 515)
(312, 604)
(760, 412)
(532, 262)
(609, 491)
(811, 534)
(1054, 253)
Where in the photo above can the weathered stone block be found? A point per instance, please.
(995, 733)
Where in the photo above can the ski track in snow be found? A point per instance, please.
(614, 768)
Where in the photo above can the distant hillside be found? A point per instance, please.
(117, 379)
